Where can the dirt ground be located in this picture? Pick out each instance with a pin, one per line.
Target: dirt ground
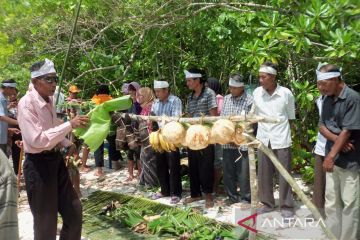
(115, 181)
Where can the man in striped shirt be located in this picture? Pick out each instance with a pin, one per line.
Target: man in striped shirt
(235, 158)
(201, 102)
(167, 163)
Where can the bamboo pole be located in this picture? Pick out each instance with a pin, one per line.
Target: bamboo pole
(242, 118)
(20, 167)
(292, 183)
(68, 51)
(253, 187)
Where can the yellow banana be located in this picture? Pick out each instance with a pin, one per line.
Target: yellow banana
(172, 147)
(154, 141)
(151, 139)
(164, 145)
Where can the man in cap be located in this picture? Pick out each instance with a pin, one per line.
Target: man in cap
(236, 162)
(48, 185)
(271, 100)
(73, 98)
(8, 88)
(167, 163)
(201, 102)
(340, 125)
(73, 92)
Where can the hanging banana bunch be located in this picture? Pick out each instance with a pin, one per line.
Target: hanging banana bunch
(159, 144)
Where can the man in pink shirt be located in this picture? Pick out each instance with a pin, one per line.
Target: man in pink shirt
(48, 185)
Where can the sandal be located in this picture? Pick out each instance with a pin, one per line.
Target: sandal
(192, 199)
(175, 200)
(85, 169)
(156, 196)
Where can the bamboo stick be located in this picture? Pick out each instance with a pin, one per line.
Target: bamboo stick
(242, 118)
(253, 187)
(293, 184)
(20, 167)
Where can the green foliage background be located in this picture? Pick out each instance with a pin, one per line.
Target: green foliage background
(142, 40)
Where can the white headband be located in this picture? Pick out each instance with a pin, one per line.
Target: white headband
(326, 75)
(47, 68)
(12, 85)
(160, 84)
(234, 83)
(192, 75)
(267, 69)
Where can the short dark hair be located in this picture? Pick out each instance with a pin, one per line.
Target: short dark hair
(330, 68)
(103, 89)
(7, 81)
(202, 72)
(214, 84)
(36, 66)
(270, 64)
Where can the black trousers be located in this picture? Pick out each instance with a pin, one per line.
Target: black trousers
(114, 155)
(236, 173)
(15, 152)
(201, 170)
(50, 192)
(168, 172)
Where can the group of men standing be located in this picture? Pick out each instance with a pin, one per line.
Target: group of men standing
(50, 191)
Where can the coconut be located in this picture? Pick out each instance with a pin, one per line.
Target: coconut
(223, 131)
(197, 137)
(173, 132)
(239, 138)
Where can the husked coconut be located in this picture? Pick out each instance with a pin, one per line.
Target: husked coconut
(223, 131)
(197, 137)
(239, 138)
(173, 132)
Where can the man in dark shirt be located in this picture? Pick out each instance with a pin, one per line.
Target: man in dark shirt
(340, 125)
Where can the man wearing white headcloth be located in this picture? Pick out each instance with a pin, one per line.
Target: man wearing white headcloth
(273, 100)
(8, 187)
(8, 88)
(167, 163)
(48, 185)
(340, 125)
(235, 158)
(201, 102)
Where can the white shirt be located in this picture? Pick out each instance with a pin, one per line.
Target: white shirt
(280, 105)
(321, 140)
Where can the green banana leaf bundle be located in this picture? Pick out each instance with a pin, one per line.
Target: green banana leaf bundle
(100, 120)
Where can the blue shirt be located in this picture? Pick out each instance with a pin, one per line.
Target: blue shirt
(171, 107)
(3, 125)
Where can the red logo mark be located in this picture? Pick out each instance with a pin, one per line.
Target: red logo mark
(253, 217)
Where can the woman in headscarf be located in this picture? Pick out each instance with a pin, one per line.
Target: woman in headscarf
(148, 175)
(214, 84)
(133, 155)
